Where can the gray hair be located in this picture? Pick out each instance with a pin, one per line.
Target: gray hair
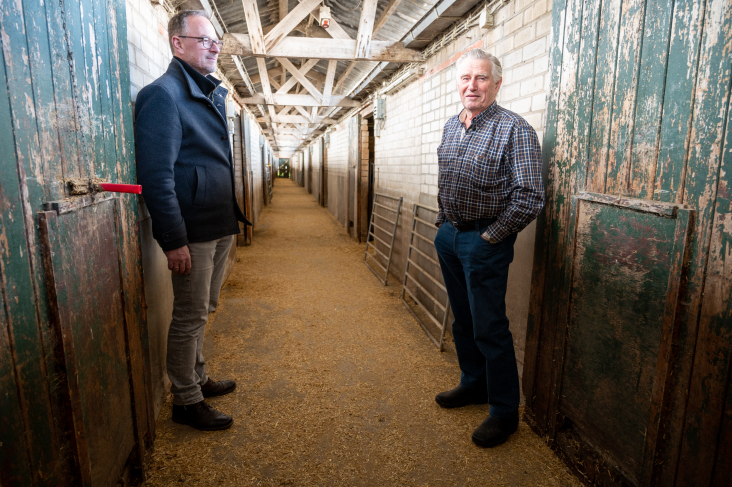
(497, 70)
(178, 23)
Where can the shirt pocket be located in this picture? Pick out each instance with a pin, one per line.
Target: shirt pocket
(483, 171)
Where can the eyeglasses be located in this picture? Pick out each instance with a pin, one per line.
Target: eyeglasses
(206, 41)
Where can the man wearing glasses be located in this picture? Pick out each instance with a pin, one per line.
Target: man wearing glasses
(185, 166)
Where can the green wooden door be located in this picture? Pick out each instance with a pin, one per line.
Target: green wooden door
(629, 340)
(75, 406)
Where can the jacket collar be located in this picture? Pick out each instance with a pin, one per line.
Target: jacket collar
(199, 85)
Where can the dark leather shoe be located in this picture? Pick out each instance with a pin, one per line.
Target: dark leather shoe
(212, 388)
(201, 416)
(459, 397)
(494, 431)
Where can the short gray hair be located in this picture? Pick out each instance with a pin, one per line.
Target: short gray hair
(178, 23)
(497, 70)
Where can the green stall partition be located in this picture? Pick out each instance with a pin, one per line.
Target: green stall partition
(629, 339)
(76, 405)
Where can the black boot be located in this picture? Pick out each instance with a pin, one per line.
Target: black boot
(494, 431)
(201, 416)
(460, 396)
(212, 388)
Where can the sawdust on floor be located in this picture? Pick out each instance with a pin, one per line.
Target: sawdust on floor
(336, 381)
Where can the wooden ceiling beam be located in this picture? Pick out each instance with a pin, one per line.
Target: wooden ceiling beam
(296, 119)
(303, 112)
(243, 73)
(342, 79)
(264, 80)
(285, 26)
(365, 29)
(301, 77)
(314, 30)
(254, 26)
(273, 82)
(328, 83)
(286, 110)
(290, 136)
(284, 7)
(312, 75)
(305, 68)
(295, 131)
(311, 48)
(301, 100)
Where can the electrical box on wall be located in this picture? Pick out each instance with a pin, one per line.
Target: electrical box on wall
(380, 109)
(230, 109)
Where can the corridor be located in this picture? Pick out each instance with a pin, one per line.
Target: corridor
(336, 381)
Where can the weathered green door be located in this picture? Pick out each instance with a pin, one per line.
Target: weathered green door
(75, 405)
(629, 340)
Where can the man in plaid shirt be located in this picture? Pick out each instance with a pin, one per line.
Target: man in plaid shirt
(490, 188)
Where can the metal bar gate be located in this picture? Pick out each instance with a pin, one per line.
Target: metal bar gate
(445, 308)
(372, 228)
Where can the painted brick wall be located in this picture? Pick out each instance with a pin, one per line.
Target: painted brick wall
(147, 41)
(521, 41)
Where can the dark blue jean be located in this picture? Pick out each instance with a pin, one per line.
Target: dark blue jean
(476, 276)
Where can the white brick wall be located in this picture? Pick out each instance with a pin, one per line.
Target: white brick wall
(398, 151)
(520, 39)
(147, 41)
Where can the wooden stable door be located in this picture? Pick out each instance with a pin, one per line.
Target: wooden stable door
(76, 406)
(630, 332)
(354, 149)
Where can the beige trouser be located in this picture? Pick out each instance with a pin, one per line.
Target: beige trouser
(195, 296)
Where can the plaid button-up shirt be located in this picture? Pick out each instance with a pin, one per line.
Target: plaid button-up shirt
(490, 170)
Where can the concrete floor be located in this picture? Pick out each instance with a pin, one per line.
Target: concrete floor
(336, 381)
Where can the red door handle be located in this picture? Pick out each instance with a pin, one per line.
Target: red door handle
(121, 188)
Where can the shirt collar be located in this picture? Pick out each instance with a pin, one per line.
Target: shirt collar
(480, 118)
(207, 84)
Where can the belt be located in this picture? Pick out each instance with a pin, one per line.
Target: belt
(468, 226)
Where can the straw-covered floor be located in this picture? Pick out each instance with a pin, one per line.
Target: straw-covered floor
(336, 381)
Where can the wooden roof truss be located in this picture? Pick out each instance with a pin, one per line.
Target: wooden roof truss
(296, 100)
